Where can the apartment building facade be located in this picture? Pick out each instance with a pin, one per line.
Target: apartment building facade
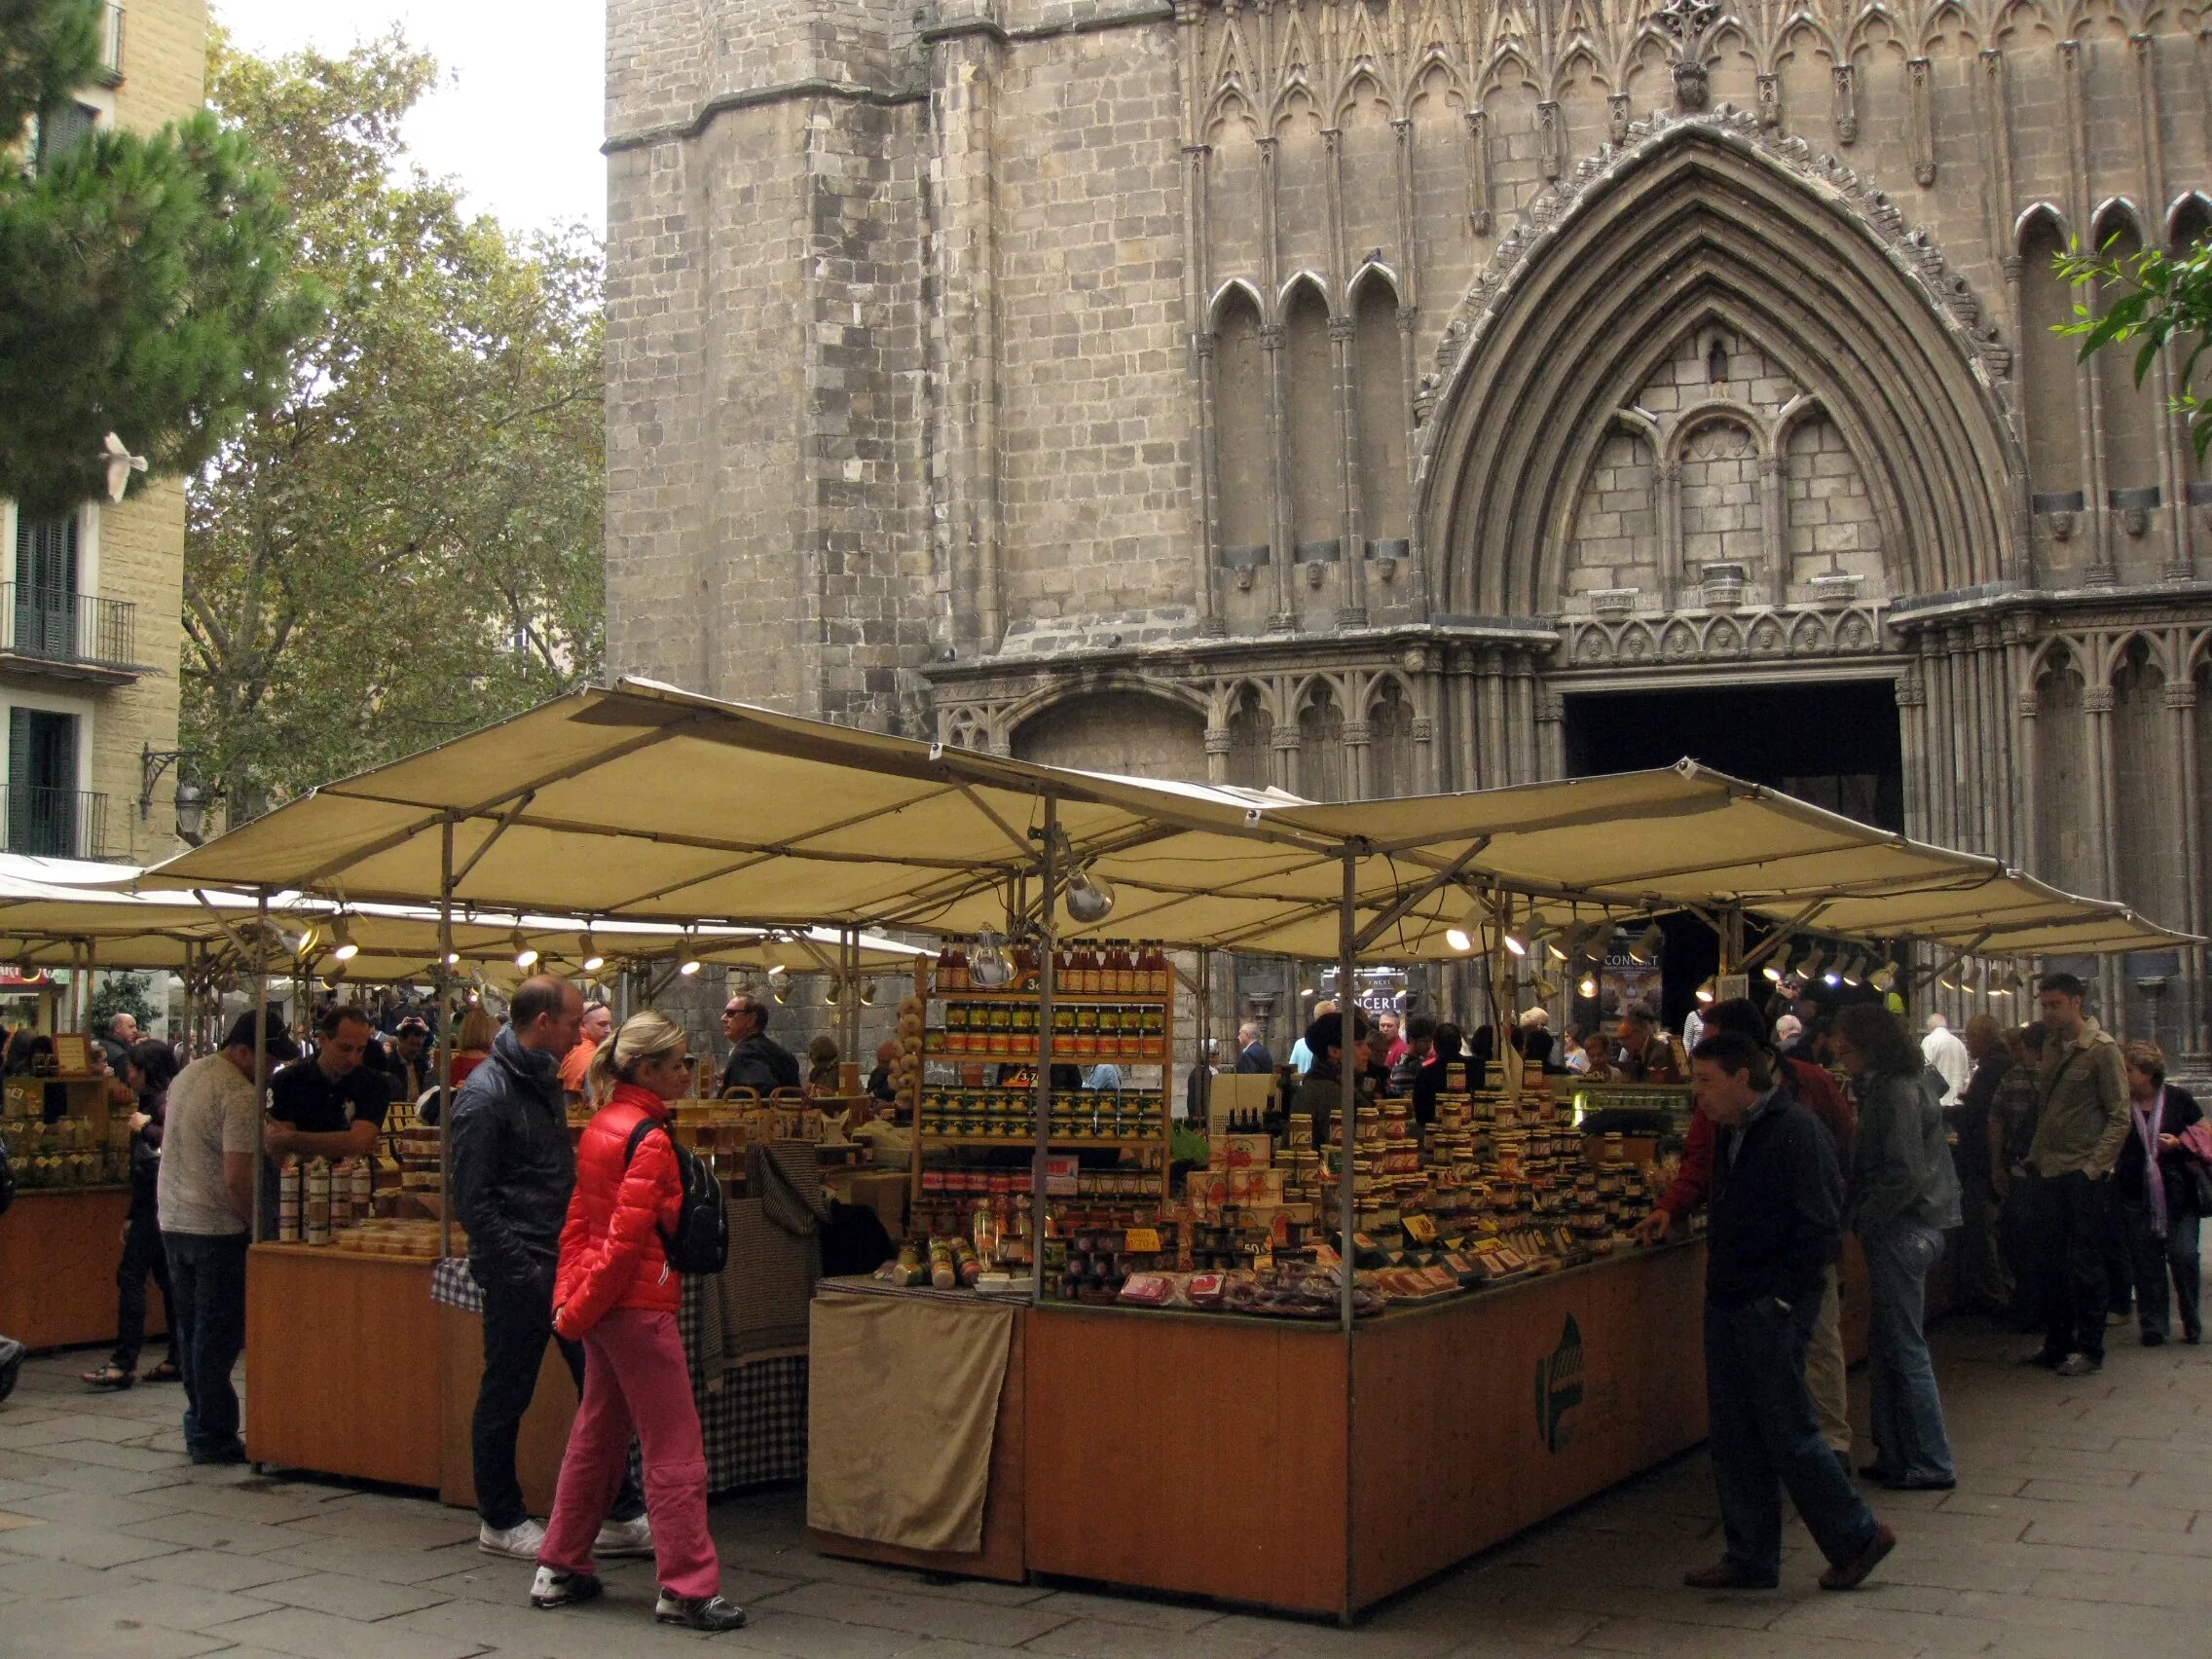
(91, 600)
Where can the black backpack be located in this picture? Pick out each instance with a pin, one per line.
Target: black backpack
(700, 1243)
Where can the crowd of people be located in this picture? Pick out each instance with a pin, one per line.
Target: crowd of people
(2073, 1174)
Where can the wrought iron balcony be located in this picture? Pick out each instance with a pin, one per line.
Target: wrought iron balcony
(73, 635)
(53, 824)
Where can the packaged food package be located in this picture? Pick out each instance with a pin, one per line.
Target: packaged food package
(1148, 1290)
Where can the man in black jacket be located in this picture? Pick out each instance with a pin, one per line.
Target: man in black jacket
(1776, 1219)
(513, 1169)
(757, 1060)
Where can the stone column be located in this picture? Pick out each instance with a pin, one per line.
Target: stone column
(962, 91)
(1280, 551)
(1219, 741)
(2030, 850)
(1203, 354)
(1352, 566)
(1284, 741)
(1773, 522)
(2097, 703)
(1497, 767)
(1360, 778)
(2088, 392)
(1911, 699)
(1551, 734)
(1465, 722)
(2181, 699)
(1673, 572)
(1424, 754)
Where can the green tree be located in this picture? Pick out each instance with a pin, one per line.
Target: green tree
(408, 545)
(123, 993)
(146, 283)
(2154, 298)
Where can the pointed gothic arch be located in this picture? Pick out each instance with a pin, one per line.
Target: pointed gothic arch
(1692, 216)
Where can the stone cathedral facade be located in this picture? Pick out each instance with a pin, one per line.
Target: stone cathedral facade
(1342, 395)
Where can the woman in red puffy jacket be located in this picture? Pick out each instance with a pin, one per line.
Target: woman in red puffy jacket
(615, 1292)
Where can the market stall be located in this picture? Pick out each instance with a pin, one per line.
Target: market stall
(59, 1243)
(1356, 1266)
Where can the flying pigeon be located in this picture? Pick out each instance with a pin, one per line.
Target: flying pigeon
(121, 464)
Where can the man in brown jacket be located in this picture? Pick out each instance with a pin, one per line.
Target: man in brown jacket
(2083, 1124)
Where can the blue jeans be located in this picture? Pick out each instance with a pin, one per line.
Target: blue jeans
(2175, 1256)
(1906, 1413)
(1766, 1436)
(208, 1302)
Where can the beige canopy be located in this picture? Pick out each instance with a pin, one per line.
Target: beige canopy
(646, 803)
(48, 924)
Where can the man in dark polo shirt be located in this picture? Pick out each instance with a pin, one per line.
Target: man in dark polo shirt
(330, 1104)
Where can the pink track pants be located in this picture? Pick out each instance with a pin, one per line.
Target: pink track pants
(636, 1381)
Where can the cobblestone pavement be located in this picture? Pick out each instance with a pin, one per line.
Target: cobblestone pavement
(2082, 1526)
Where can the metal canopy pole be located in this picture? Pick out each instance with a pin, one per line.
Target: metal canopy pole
(1047, 989)
(260, 1048)
(444, 987)
(1348, 1078)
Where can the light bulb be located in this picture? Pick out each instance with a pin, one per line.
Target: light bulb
(1459, 939)
(1544, 990)
(1515, 943)
(1776, 966)
(868, 993)
(1884, 977)
(989, 962)
(453, 959)
(1648, 944)
(1854, 971)
(1706, 992)
(593, 961)
(1089, 896)
(526, 954)
(1586, 987)
(690, 966)
(834, 993)
(341, 933)
(1812, 964)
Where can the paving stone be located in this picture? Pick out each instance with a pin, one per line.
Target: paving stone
(378, 1561)
(179, 1606)
(87, 1630)
(97, 1508)
(350, 1598)
(104, 1454)
(215, 1569)
(1098, 1638)
(215, 1532)
(82, 1546)
(1134, 1610)
(319, 1635)
(924, 1615)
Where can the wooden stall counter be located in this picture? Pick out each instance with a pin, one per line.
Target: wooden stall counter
(59, 1252)
(1272, 1483)
(342, 1364)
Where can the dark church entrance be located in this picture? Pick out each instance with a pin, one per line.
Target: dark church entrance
(1833, 743)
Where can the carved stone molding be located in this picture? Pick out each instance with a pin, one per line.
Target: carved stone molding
(1789, 634)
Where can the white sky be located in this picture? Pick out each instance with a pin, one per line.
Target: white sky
(518, 115)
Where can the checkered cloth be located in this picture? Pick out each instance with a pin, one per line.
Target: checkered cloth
(452, 1283)
(752, 1417)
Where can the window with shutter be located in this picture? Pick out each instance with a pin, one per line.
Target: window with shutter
(63, 129)
(42, 784)
(46, 585)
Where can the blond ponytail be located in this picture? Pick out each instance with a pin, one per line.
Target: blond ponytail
(643, 1037)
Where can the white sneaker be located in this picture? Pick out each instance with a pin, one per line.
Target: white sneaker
(550, 1589)
(520, 1542)
(624, 1538)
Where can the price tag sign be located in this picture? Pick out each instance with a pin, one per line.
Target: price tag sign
(1421, 1229)
(1144, 1241)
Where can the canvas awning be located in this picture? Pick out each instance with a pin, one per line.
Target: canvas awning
(46, 924)
(644, 802)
